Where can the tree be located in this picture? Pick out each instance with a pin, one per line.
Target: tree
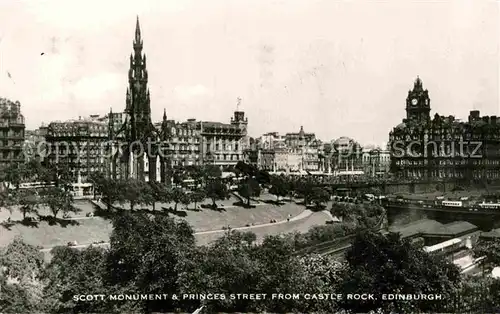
(322, 274)
(112, 191)
(58, 174)
(144, 256)
(73, 272)
(21, 267)
(216, 190)
(136, 192)
(304, 187)
(340, 210)
(249, 188)
(221, 267)
(197, 196)
(28, 201)
(490, 249)
(58, 200)
(177, 195)
(279, 187)
(388, 264)
(210, 172)
(179, 175)
(246, 170)
(478, 294)
(159, 193)
(186, 199)
(7, 200)
(98, 180)
(22, 261)
(14, 175)
(319, 196)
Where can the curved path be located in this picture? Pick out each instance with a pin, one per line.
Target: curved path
(305, 214)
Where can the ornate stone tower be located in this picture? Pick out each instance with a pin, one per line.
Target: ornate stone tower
(239, 118)
(138, 133)
(138, 108)
(418, 103)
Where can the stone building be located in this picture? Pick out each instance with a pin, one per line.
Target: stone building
(346, 157)
(78, 144)
(35, 146)
(180, 143)
(444, 147)
(272, 140)
(376, 161)
(267, 159)
(12, 128)
(222, 144)
(300, 139)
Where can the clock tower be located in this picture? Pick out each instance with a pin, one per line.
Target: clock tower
(418, 103)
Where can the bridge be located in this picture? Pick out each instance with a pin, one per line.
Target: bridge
(393, 187)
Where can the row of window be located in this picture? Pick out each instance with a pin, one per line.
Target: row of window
(453, 174)
(227, 157)
(183, 132)
(225, 147)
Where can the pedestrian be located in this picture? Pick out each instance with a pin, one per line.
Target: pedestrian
(289, 216)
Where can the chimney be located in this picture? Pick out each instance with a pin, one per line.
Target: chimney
(493, 120)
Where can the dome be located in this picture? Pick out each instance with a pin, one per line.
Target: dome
(401, 126)
(344, 143)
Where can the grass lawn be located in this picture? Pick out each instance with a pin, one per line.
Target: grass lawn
(301, 226)
(86, 231)
(84, 206)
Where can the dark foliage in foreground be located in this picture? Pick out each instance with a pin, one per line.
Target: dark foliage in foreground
(157, 255)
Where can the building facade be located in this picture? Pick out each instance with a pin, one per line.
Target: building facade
(35, 146)
(222, 144)
(266, 159)
(444, 147)
(180, 143)
(300, 139)
(346, 157)
(12, 127)
(79, 145)
(293, 152)
(376, 161)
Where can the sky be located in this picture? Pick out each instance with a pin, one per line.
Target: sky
(337, 68)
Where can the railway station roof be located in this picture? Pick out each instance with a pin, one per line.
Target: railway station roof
(495, 233)
(419, 227)
(428, 227)
(456, 228)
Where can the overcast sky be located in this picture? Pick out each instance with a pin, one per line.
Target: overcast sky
(339, 68)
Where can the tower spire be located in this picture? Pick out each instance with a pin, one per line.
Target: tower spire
(137, 30)
(238, 103)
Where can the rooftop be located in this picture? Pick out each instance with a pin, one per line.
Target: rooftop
(433, 227)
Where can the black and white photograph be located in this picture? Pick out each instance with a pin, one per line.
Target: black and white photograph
(249, 156)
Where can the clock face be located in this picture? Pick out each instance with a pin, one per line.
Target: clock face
(414, 101)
